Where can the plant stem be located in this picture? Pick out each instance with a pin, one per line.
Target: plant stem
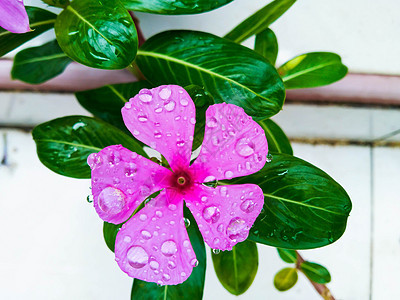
(322, 289)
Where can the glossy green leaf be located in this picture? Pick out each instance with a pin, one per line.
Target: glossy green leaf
(287, 255)
(259, 21)
(202, 101)
(110, 234)
(277, 140)
(99, 34)
(57, 3)
(169, 7)
(192, 288)
(304, 207)
(285, 279)
(64, 144)
(312, 70)
(229, 72)
(316, 272)
(236, 269)
(40, 20)
(106, 102)
(39, 64)
(267, 45)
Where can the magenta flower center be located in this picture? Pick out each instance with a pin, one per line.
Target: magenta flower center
(181, 180)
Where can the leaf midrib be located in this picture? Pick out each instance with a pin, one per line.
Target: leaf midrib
(299, 73)
(263, 125)
(68, 143)
(38, 59)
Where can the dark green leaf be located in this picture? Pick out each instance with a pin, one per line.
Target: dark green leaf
(259, 21)
(110, 234)
(40, 20)
(99, 34)
(64, 144)
(39, 64)
(202, 101)
(173, 7)
(192, 288)
(285, 279)
(304, 207)
(229, 72)
(287, 255)
(267, 45)
(277, 140)
(236, 269)
(312, 70)
(106, 102)
(316, 272)
(57, 3)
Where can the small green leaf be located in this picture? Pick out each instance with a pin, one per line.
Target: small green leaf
(110, 234)
(277, 140)
(287, 255)
(98, 34)
(229, 72)
(64, 144)
(304, 207)
(192, 288)
(40, 20)
(312, 70)
(106, 102)
(259, 21)
(236, 269)
(267, 45)
(285, 279)
(39, 64)
(57, 3)
(316, 272)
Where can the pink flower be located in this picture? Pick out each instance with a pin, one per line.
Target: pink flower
(154, 245)
(13, 16)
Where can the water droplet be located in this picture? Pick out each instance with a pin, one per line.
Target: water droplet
(183, 274)
(187, 222)
(184, 102)
(180, 143)
(247, 206)
(130, 169)
(192, 121)
(166, 277)
(269, 158)
(204, 199)
(172, 222)
(111, 200)
(142, 118)
(169, 106)
(159, 213)
(209, 178)
(172, 206)
(165, 93)
(220, 228)
(157, 134)
(228, 174)
(154, 265)
(212, 122)
(216, 251)
(248, 165)
(177, 118)
(215, 140)
(158, 110)
(137, 257)
(237, 229)
(223, 191)
(146, 235)
(283, 173)
(135, 132)
(145, 96)
(245, 147)
(194, 262)
(171, 265)
(186, 243)
(91, 160)
(143, 217)
(168, 248)
(211, 214)
(128, 105)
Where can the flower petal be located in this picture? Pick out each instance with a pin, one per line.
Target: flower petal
(121, 180)
(154, 245)
(234, 145)
(163, 118)
(13, 16)
(225, 214)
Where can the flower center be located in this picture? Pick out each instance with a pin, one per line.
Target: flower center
(181, 180)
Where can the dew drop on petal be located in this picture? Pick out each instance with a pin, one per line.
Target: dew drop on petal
(111, 200)
(145, 96)
(143, 217)
(137, 257)
(158, 110)
(236, 229)
(203, 199)
(168, 248)
(209, 178)
(228, 174)
(211, 214)
(127, 239)
(220, 228)
(130, 169)
(154, 265)
(186, 243)
(166, 277)
(183, 274)
(135, 132)
(157, 134)
(223, 191)
(172, 206)
(245, 147)
(165, 93)
(128, 105)
(171, 265)
(91, 160)
(180, 143)
(194, 262)
(212, 122)
(184, 102)
(142, 118)
(146, 234)
(159, 213)
(170, 105)
(247, 206)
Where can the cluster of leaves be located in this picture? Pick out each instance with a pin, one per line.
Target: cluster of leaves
(304, 207)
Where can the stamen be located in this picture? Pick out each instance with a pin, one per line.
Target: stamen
(181, 180)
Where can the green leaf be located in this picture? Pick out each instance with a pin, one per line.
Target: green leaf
(316, 272)
(64, 144)
(202, 100)
(229, 72)
(57, 3)
(173, 7)
(277, 139)
(98, 34)
(106, 102)
(40, 20)
(287, 255)
(236, 269)
(312, 70)
(304, 207)
(110, 234)
(39, 64)
(192, 288)
(267, 45)
(285, 279)
(259, 21)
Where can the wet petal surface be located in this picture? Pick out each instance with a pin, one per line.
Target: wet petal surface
(13, 16)
(163, 118)
(121, 180)
(154, 245)
(234, 145)
(225, 214)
